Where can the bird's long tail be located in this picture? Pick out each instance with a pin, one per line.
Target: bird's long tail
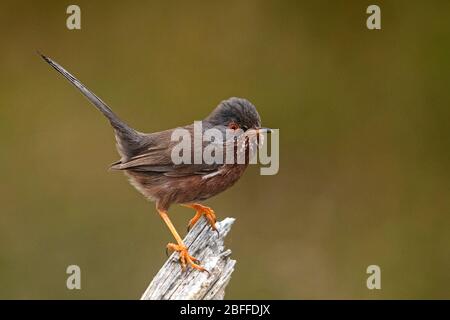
(128, 139)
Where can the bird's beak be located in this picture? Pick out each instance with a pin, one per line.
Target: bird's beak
(264, 130)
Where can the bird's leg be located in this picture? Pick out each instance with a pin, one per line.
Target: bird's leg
(185, 258)
(202, 210)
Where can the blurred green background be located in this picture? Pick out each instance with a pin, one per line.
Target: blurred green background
(364, 158)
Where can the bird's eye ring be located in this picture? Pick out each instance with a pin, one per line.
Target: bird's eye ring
(233, 125)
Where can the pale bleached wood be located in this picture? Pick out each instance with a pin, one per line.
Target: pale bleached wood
(171, 283)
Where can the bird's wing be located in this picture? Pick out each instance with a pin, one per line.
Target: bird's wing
(157, 158)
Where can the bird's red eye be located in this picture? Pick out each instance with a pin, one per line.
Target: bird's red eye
(233, 126)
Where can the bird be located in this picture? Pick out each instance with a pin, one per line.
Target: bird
(145, 158)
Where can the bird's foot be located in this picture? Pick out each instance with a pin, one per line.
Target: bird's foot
(185, 258)
(203, 211)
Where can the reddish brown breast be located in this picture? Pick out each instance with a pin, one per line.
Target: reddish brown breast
(167, 190)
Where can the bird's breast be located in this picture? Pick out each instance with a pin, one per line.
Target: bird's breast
(185, 189)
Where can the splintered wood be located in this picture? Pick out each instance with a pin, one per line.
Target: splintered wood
(171, 283)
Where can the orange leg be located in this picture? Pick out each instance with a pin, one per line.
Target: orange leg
(185, 258)
(202, 210)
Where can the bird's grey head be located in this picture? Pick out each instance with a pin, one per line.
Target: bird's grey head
(235, 113)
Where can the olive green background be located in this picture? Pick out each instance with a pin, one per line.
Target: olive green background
(364, 130)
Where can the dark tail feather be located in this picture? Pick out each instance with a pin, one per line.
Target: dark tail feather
(128, 139)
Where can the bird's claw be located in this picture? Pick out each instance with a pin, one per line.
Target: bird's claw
(185, 258)
(208, 213)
